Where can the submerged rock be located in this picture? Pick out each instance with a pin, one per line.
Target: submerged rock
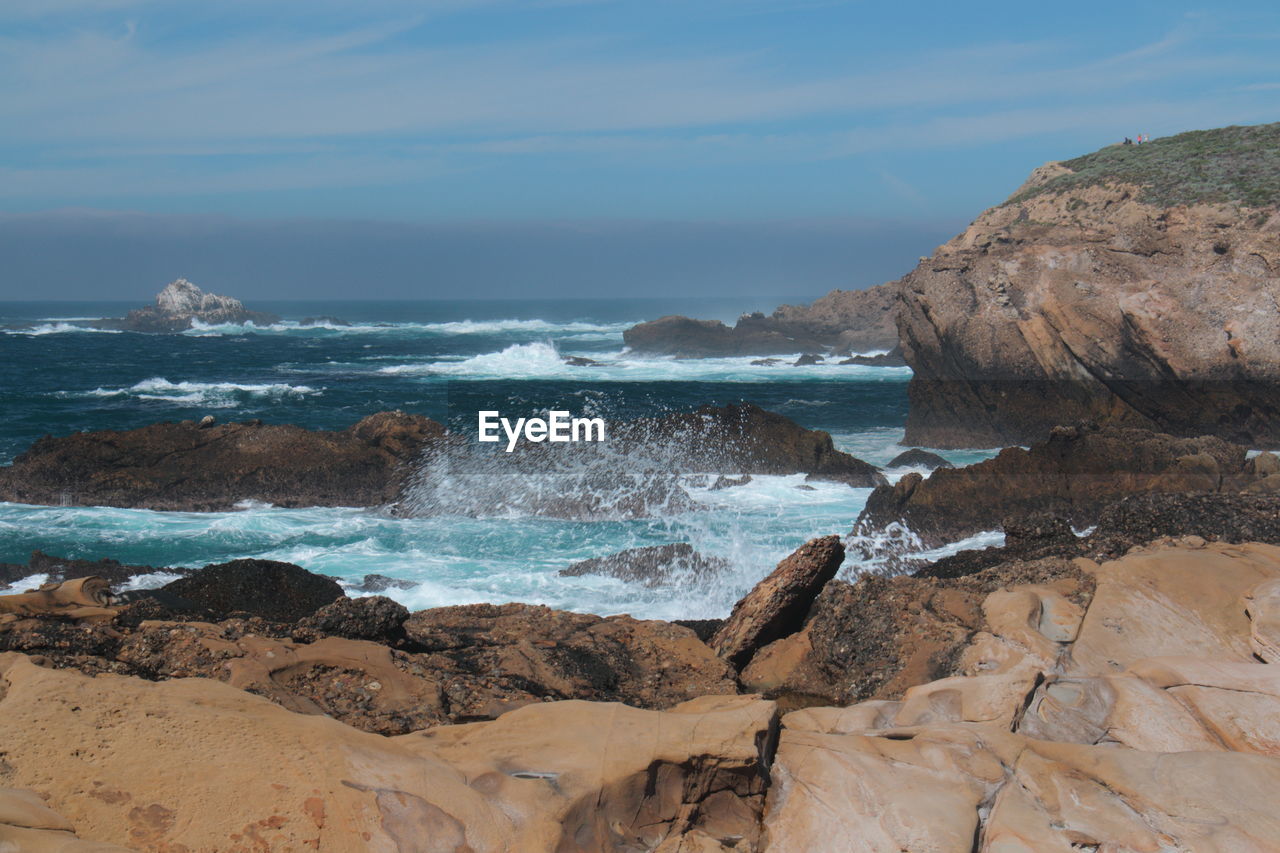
(653, 565)
(892, 358)
(181, 305)
(917, 458)
(180, 466)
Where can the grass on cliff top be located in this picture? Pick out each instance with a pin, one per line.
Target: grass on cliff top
(1229, 164)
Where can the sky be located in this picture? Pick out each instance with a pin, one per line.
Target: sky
(389, 148)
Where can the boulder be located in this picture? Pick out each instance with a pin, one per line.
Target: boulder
(279, 592)
(374, 617)
(1134, 286)
(182, 467)
(808, 359)
(653, 565)
(776, 606)
(917, 458)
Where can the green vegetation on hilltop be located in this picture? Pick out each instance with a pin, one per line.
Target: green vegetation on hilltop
(1229, 164)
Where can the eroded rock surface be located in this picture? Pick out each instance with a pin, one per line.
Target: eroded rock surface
(181, 305)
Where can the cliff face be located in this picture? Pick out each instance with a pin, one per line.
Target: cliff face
(1136, 286)
(843, 321)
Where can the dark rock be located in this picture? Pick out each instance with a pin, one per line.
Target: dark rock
(382, 583)
(892, 358)
(372, 618)
(580, 361)
(179, 466)
(776, 606)
(844, 320)
(723, 482)
(1073, 475)
(807, 359)
(60, 569)
(704, 628)
(281, 592)
(765, 362)
(917, 458)
(653, 565)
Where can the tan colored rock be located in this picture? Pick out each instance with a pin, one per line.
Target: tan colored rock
(1171, 601)
(80, 599)
(776, 607)
(28, 825)
(1263, 607)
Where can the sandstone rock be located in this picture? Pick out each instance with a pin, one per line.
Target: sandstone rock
(280, 592)
(653, 565)
(81, 599)
(1263, 608)
(1093, 296)
(776, 607)
(843, 320)
(27, 825)
(178, 466)
(1072, 475)
(491, 658)
(60, 569)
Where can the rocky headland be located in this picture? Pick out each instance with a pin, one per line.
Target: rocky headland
(180, 306)
(1136, 286)
(1114, 692)
(843, 322)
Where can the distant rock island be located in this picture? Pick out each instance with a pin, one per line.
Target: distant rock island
(842, 322)
(180, 305)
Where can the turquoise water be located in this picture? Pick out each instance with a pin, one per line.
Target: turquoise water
(445, 360)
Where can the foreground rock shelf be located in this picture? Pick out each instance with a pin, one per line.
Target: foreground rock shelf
(1062, 704)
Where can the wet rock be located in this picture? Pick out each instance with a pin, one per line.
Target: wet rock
(181, 466)
(765, 362)
(492, 658)
(808, 359)
(723, 482)
(893, 358)
(776, 607)
(382, 583)
(368, 618)
(653, 565)
(280, 592)
(917, 458)
(62, 568)
(580, 361)
(1072, 475)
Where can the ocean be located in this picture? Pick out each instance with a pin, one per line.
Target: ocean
(446, 360)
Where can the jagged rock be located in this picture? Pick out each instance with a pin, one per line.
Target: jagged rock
(723, 482)
(892, 358)
(180, 305)
(917, 458)
(280, 592)
(843, 320)
(61, 568)
(491, 658)
(653, 565)
(808, 359)
(776, 606)
(1134, 286)
(374, 617)
(382, 583)
(179, 466)
(580, 361)
(1073, 475)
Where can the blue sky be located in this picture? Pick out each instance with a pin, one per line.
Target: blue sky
(697, 111)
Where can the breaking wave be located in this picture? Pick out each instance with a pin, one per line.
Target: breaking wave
(214, 394)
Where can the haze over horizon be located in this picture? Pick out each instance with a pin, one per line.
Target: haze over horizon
(561, 148)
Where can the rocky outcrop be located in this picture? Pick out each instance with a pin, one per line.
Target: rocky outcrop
(1135, 287)
(917, 458)
(181, 305)
(493, 657)
(776, 606)
(1073, 475)
(180, 466)
(60, 568)
(843, 321)
(271, 590)
(652, 565)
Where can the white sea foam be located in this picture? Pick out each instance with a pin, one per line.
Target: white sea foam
(215, 394)
(543, 360)
(573, 329)
(58, 328)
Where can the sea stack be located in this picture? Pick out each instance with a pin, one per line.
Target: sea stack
(181, 305)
